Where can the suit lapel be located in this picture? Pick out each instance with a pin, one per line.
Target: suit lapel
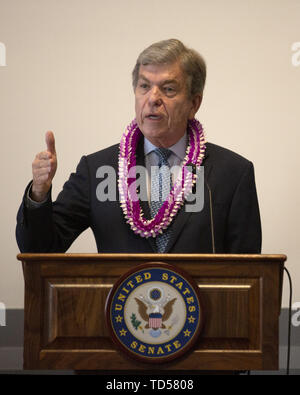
(182, 217)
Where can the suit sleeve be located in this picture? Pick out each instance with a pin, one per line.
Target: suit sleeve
(52, 227)
(243, 234)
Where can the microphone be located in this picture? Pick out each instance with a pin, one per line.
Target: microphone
(211, 218)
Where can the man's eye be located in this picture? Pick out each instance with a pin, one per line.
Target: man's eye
(144, 86)
(169, 90)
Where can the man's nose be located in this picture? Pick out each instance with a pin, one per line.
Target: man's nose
(155, 96)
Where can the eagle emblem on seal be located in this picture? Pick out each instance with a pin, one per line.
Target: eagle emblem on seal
(155, 310)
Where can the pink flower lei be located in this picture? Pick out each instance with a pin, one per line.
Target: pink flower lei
(182, 187)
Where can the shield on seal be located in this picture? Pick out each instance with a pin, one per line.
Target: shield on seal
(155, 320)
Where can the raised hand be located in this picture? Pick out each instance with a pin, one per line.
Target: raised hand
(43, 169)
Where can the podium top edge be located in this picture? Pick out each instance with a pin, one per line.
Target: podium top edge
(166, 257)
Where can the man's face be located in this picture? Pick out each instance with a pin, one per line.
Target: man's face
(162, 104)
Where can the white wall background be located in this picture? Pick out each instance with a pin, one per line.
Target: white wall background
(68, 69)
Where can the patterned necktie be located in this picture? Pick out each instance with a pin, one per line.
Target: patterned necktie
(161, 183)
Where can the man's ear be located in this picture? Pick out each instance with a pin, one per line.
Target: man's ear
(196, 103)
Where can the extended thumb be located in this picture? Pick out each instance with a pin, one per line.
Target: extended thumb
(50, 141)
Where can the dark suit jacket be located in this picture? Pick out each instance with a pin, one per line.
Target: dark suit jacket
(230, 177)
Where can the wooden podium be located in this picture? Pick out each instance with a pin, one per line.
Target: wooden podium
(65, 297)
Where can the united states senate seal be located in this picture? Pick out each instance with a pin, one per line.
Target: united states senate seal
(153, 312)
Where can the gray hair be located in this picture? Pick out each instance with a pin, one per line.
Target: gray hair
(170, 51)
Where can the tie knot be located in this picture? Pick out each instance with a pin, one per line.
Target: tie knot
(163, 155)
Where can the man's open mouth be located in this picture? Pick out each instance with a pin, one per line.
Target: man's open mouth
(154, 117)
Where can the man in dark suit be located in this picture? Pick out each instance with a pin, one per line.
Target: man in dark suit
(168, 82)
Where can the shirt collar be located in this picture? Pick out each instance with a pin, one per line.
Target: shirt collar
(179, 148)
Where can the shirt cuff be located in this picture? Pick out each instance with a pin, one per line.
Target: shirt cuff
(30, 203)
